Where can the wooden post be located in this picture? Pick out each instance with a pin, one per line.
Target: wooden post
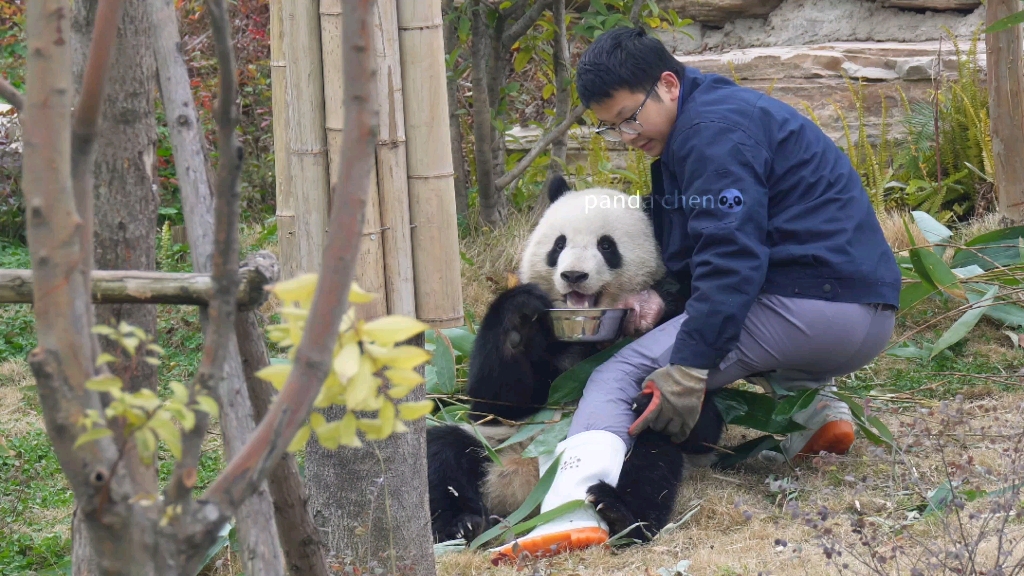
(392, 174)
(288, 240)
(307, 135)
(1005, 70)
(435, 242)
(370, 265)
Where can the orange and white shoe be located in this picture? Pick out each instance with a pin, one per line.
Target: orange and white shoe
(828, 422)
(829, 428)
(587, 458)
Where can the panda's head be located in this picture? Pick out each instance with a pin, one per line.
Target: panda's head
(591, 247)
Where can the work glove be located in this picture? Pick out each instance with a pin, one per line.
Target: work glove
(645, 309)
(677, 395)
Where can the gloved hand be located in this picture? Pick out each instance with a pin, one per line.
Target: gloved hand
(646, 309)
(677, 397)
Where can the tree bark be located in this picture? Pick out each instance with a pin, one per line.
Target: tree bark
(451, 39)
(563, 92)
(493, 205)
(382, 518)
(1005, 67)
(144, 287)
(124, 192)
(258, 531)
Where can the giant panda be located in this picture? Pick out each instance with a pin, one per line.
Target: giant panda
(590, 248)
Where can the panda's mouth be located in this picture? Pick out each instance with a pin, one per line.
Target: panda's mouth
(576, 299)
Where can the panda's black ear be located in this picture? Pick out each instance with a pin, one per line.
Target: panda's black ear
(557, 187)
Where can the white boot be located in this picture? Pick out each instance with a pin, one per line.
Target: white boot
(828, 422)
(587, 457)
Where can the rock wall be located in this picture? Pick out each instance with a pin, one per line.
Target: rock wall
(728, 24)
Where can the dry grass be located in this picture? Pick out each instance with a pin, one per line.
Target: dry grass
(16, 417)
(720, 538)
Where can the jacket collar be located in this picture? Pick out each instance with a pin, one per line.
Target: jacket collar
(691, 79)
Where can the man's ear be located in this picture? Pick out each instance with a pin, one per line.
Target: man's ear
(670, 84)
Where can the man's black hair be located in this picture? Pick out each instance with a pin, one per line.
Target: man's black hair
(622, 58)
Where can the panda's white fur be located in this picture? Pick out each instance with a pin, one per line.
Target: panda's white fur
(583, 217)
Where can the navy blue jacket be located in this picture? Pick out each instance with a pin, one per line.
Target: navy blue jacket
(752, 197)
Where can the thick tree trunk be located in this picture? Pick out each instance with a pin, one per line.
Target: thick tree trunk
(257, 529)
(493, 205)
(124, 193)
(369, 521)
(1005, 67)
(563, 92)
(451, 39)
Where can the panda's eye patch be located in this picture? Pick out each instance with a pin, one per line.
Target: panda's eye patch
(556, 250)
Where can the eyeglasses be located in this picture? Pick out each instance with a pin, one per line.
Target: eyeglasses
(629, 126)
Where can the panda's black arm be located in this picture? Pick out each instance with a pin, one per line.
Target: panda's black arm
(674, 294)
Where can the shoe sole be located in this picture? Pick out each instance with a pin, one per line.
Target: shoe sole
(551, 544)
(834, 437)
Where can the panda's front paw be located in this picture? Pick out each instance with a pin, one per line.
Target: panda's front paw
(610, 507)
(466, 526)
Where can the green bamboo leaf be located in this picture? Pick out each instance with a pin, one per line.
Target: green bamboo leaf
(913, 293)
(568, 387)
(964, 324)
(548, 440)
(444, 366)
(534, 425)
(932, 269)
(1004, 23)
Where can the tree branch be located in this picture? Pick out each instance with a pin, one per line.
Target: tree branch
(634, 13)
(141, 287)
(538, 148)
(10, 93)
(222, 310)
(522, 26)
(313, 357)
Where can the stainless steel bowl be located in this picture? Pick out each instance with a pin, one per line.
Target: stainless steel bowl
(588, 324)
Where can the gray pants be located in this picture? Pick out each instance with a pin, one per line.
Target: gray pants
(798, 338)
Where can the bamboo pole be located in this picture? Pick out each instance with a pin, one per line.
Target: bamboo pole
(435, 240)
(286, 233)
(144, 287)
(307, 139)
(392, 173)
(370, 263)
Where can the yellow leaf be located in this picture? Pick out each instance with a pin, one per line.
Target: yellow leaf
(357, 295)
(207, 404)
(399, 392)
(167, 432)
(298, 290)
(276, 374)
(104, 383)
(145, 444)
(414, 410)
(340, 433)
(361, 387)
(346, 363)
(392, 329)
(317, 421)
(105, 331)
(104, 358)
(130, 343)
(186, 417)
(92, 434)
(347, 321)
(301, 437)
(332, 392)
(405, 356)
(403, 377)
(400, 428)
(179, 392)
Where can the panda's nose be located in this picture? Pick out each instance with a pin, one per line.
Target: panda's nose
(574, 277)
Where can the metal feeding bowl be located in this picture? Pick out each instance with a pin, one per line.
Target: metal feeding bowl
(588, 324)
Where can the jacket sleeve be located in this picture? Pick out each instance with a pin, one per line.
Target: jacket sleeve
(730, 254)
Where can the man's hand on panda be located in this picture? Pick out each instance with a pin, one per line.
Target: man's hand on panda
(677, 395)
(646, 308)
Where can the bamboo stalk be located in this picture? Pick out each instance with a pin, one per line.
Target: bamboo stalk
(435, 241)
(142, 287)
(288, 240)
(370, 262)
(307, 138)
(392, 170)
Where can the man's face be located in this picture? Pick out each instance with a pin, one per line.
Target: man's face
(656, 118)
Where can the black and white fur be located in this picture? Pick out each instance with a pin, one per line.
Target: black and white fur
(589, 249)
